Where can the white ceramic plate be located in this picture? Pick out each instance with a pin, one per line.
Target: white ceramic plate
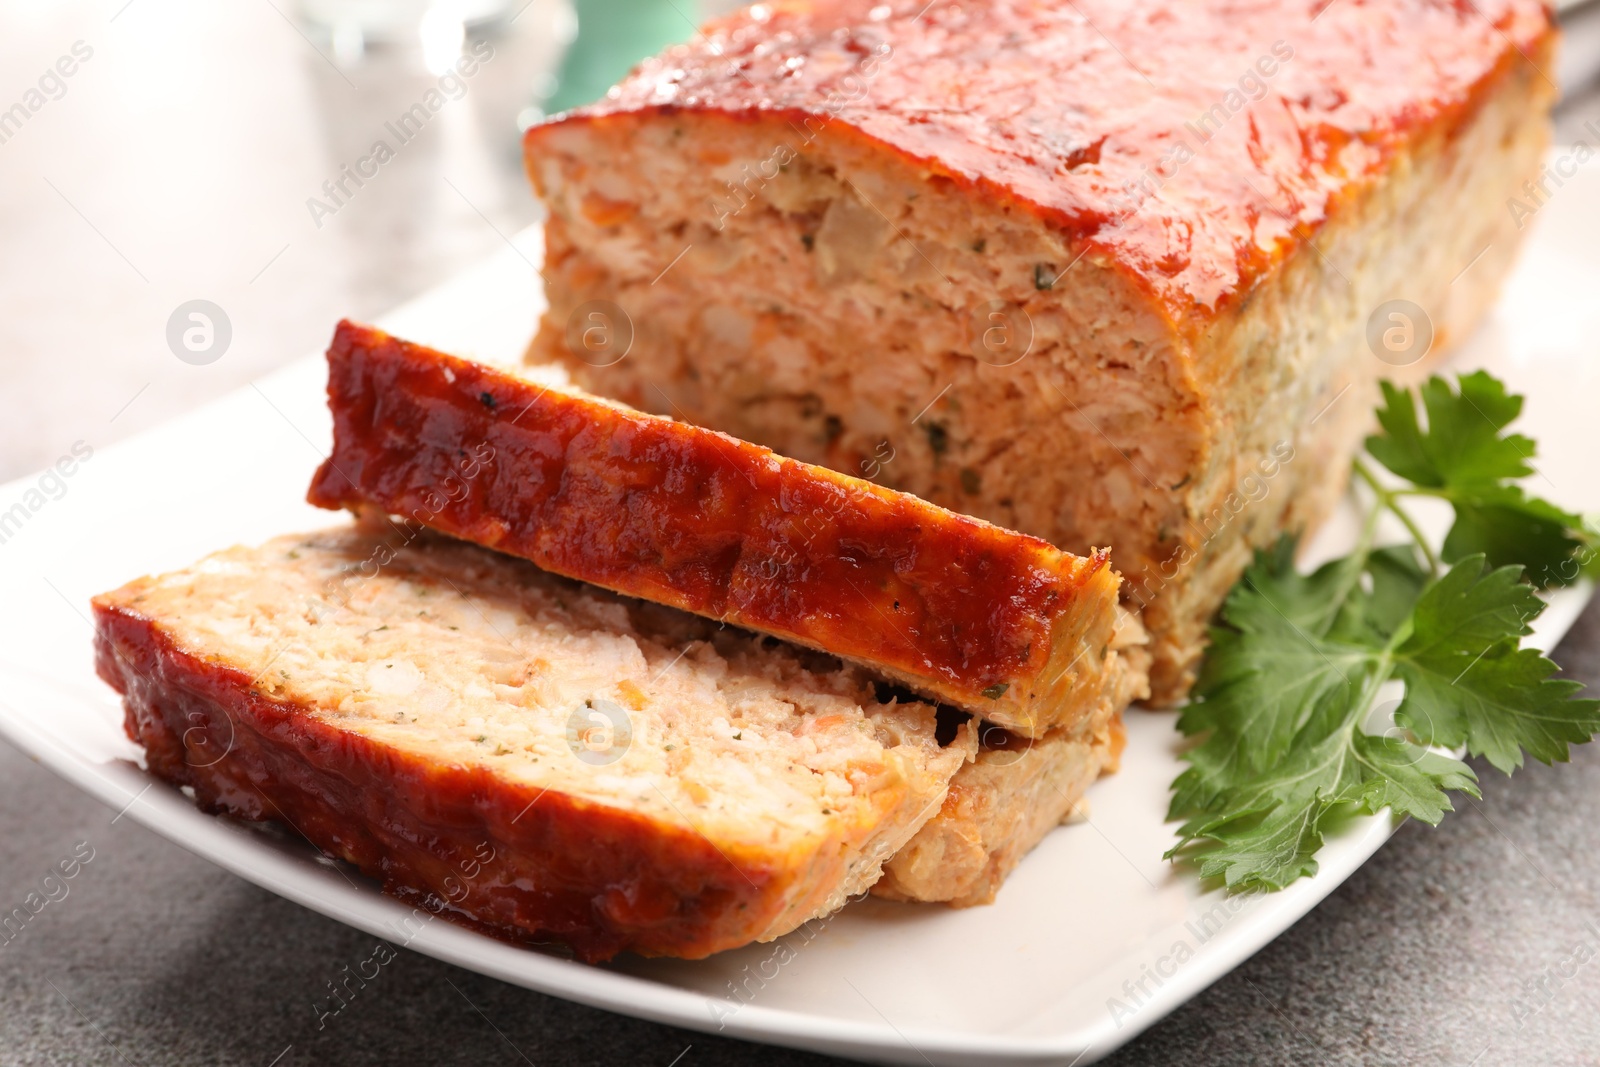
(1093, 939)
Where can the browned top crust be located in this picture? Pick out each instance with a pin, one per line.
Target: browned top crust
(966, 612)
(1118, 122)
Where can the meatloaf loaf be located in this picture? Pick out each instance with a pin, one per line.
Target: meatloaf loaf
(988, 620)
(1099, 271)
(528, 755)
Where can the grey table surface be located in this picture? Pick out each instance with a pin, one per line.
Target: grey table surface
(174, 164)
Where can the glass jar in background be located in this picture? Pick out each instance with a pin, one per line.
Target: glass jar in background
(434, 28)
(601, 40)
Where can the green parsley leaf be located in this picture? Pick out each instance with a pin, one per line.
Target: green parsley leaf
(1509, 527)
(1268, 669)
(1462, 445)
(1284, 747)
(1396, 579)
(1410, 780)
(1467, 682)
(1273, 592)
(1463, 456)
(1282, 707)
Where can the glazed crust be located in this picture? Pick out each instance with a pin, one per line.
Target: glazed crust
(1190, 213)
(522, 864)
(992, 621)
(1080, 113)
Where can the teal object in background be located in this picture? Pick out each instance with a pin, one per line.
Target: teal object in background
(612, 36)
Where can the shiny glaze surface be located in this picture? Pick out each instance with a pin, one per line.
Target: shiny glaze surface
(458, 841)
(1090, 113)
(698, 520)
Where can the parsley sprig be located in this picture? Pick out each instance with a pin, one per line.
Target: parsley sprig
(1297, 660)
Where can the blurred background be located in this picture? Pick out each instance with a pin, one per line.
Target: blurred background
(180, 159)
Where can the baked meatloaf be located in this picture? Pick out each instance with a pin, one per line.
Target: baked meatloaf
(988, 620)
(998, 808)
(1006, 801)
(523, 753)
(1100, 271)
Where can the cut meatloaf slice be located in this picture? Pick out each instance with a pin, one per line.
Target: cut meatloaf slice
(987, 620)
(1004, 803)
(525, 754)
(1099, 271)
(998, 809)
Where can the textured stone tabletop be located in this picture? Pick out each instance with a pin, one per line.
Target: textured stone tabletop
(175, 164)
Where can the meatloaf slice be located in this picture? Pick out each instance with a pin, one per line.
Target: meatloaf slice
(988, 620)
(1004, 803)
(1103, 272)
(517, 751)
(997, 810)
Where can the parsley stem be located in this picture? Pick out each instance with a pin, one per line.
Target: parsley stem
(1361, 553)
(1389, 499)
